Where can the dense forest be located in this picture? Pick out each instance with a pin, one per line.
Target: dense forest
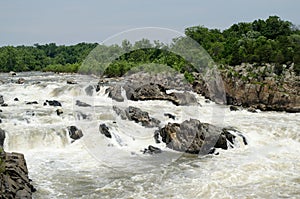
(262, 41)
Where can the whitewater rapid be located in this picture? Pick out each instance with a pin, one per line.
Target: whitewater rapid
(98, 167)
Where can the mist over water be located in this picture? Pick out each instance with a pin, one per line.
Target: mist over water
(97, 167)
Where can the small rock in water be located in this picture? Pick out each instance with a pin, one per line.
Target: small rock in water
(59, 111)
(104, 130)
(20, 81)
(33, 102)
(1, 99)
(71, 81)
(16, 99)
(83, 104)
(52, 103)
(152, 150)
(156, 137)
(74, 132)
(89, 90)
(233, 108)
(252, 110)
(4, 105)
(0, 120)
(169, 115)
(2, 137)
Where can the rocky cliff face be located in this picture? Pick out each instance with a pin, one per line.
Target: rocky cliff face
(258, 87)
(14, 180)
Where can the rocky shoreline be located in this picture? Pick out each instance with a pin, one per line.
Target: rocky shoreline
(257, 87)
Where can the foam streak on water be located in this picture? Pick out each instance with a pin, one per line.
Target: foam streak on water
(97, 167)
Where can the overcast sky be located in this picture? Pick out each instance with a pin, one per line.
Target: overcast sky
(73, 21)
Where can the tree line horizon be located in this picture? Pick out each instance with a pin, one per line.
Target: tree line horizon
(273, 41)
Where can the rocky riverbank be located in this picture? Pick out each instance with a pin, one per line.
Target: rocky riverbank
(258, 87)
(14, 180)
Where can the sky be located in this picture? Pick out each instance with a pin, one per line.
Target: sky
(67, 22)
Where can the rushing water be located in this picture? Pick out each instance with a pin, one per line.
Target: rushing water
(98, 167)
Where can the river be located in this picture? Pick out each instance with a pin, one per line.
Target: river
(97, 167)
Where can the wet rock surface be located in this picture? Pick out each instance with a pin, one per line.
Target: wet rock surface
(195, 137)
(74, 132)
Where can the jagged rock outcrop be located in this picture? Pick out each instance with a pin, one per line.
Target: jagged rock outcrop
(257, 87)
(195, 137)
(14, 180)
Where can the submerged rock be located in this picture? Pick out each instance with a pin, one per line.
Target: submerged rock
(195, 137)
(104, 130)
(33, 102)
(74, 132)
(83, 104)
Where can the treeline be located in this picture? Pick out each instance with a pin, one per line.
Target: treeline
(262, 41)
(48, 57)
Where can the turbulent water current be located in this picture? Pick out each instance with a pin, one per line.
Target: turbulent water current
(97, 167)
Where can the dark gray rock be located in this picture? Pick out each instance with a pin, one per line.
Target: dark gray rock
(152, 150)
(186, 98)
(142, 117)
(104, 130)
(115, 92)
(74, 132)
(33, 102)
(16, 99)
(2, 137)
(169, 115)
(52, 103)
(153, 92)
(233, 108)
(195, 137)
(4, 105)
(120, 112)
(252, 110)
(20, 81)
(15, 182)
(59, 111)
(1, 100)
(71, 81)
(89, 90)
(83, 104)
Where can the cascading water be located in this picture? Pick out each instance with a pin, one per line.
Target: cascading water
(98, 167)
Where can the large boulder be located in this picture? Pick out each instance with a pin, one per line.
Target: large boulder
(153, 92)
(195, 137)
